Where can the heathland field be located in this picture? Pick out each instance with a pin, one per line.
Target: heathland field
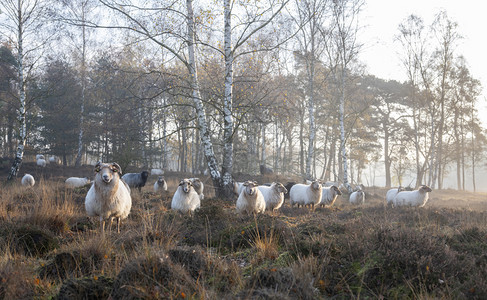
(50, 249)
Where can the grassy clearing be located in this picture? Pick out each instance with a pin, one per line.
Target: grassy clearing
(50, 249)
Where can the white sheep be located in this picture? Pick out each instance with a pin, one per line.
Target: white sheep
(39, 156)
(391, 194)
(273, 195)
(357, 197)
(28, 180)
(160, 185)
(157, 172)
(109, 197)
(250, 199)
(417, 197)
(41, 162)
(74, 182)
(306, 194)
(198, 187)
(329, 195)
(55, 160)
(238, 187)
(185, 199)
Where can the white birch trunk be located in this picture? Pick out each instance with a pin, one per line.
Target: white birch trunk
(83, 91)
(22, 121)
(227, 165)
(200, 109)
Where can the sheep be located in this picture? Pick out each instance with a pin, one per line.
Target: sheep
(357, 197)
(306, 194)
(39, 156)
(41, 162)
(391, 194)
(288, 187)
(28, 180)
(329, 195)
(160, 185)
(198, 187)
(74, 182)
(251, 199)
(186, 199)
(157, 172)
(273, 195)
(136, 180)
(417, 197)
(265, 170)
(238, 187)
(55, 160)
(108, 197)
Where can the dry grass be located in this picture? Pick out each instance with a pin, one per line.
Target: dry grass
(51, 249)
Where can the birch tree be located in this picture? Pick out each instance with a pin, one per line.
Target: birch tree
(23, 23)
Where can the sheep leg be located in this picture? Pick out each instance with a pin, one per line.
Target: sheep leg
(118, 225)
(102, 226)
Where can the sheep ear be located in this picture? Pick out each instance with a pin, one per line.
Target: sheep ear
(97, 167)
(181, 182)
(117, 168)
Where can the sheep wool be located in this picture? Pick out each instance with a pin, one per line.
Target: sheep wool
(417, 197)
(357, 197)
(198, 187)
(74, 182)
(391, 194)
(109, 197)
(160, 185)
(273, 195)
(28, 180)
(136, 180)
(41, 162)
(306, 194)
(329, 195)
(185, 200)
(250, 199)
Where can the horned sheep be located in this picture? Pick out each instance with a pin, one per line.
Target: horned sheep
(186, 199)
(160, 185)
(417, 197)
(251, 199)
(109, 197)
(306, 194)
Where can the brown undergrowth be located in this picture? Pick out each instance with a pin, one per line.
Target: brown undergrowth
(50, 249)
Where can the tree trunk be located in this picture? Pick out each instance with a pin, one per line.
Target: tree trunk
(227, 165)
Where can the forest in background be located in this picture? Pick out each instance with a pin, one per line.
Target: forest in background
(199, 86)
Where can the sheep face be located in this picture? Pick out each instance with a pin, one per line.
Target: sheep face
(337, 190)
(160, 180)
(186, 185)
(425, 189)
(106, 171)
(280, 188)
(316, 185)
(250, 187)
(144, 175)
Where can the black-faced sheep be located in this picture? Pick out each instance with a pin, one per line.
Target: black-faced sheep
(306, 194)
(417, 197)
(28, 180)
(273, 195)
(160, 185)
(136, 180)
(250, 199)
(185, 199)
(109, 197)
